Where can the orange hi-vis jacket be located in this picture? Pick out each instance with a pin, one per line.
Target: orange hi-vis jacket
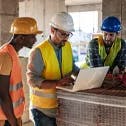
(16, 86)
(46, 98)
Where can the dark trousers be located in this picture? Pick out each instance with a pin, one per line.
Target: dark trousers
(7, 123)
(41, 119)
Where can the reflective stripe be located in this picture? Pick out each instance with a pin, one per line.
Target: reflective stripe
(41, 94)
(16, 86)
(17, 103)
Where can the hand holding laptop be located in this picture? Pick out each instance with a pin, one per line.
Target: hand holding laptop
(87, 79)
(67, 80)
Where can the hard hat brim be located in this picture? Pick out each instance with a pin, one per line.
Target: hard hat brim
(39, 32)
(26, 33)
(61, 28)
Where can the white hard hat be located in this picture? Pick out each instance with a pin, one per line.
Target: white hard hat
(62, 21)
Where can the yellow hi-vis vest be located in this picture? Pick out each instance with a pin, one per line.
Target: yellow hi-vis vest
(109, 59)
(15, 87)
(46, 98)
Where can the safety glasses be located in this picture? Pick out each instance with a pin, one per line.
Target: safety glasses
(63, 34)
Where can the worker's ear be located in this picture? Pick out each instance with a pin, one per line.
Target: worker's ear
(19, 38)
(52, 30)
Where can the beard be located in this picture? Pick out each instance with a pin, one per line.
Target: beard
(109, 43)
(62, 43)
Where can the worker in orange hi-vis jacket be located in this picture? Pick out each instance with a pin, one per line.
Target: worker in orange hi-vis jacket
(12, 101)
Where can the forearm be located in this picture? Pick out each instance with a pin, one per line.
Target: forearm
(5, 99)
(121, 62)
(34, 80)
(49, 84)
(7, 107)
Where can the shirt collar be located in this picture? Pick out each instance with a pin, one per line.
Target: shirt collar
(52, 43)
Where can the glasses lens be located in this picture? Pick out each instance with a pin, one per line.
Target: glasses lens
(64, 34)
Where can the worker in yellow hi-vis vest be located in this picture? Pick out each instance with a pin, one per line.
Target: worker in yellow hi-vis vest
(108, 49)
(50, 65)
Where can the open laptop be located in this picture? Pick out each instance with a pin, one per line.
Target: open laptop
(87, 79)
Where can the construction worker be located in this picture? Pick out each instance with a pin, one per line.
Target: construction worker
(50, 65)
(109, 49)
(24, 30)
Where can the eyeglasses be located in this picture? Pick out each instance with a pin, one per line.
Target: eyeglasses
(63, 34)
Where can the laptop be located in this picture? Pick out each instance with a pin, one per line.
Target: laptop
(87, 79)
